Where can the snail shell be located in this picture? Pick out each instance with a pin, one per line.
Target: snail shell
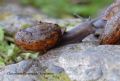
(41, 37)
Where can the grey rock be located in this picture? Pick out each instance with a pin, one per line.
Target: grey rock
(32, 70)
(90, 38)
(15, 72)
(15, 23)
(100, 63)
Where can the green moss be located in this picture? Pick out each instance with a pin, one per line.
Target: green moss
(10, 53)
(48, 76)
(25, 26)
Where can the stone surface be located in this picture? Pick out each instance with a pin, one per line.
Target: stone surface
(81, 62)
(90, 38)
(45, 68)
(100, 63)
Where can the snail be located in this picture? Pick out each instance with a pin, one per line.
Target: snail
(44, 36)
(111, 33)
(41, 37)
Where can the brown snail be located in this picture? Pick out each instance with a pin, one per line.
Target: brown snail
(111, 33)
(39, 38)
(45, 36)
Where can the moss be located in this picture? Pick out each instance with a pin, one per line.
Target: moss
(48, 76)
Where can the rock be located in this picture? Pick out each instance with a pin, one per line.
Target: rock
(90, 38)
(45, 68)
(14, 72)
(100, 63)
(14, 17)
(14, 23)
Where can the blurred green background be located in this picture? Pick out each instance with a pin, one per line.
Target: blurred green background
(68, 8)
